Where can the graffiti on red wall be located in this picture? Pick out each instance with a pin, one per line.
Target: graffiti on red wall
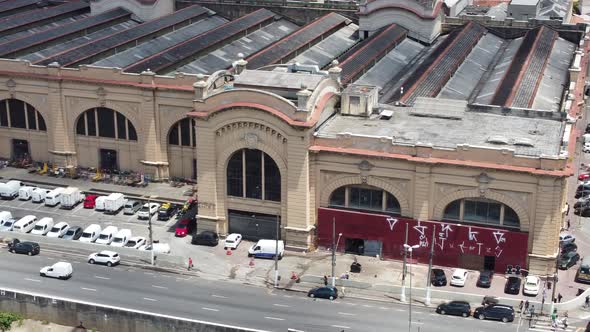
(450, 240)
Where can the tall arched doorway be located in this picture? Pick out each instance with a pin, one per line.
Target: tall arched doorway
(253, 179)
(182, 149)
(21, 127)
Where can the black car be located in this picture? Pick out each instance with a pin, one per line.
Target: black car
(567, 260)
(582, 193)
(458, 308)
(73, 233)
(512, 285)
(438, 277)
(501, 312)
(29, 248)
(206, 238)
(485, 279)
(569, 247)
(326, 292)
(583, 212)
(166, 211)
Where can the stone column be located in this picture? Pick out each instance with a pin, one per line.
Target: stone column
(60, 128)
(211, 202)
(422, 193)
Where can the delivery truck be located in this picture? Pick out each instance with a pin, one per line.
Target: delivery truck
(71, 197)
(113, 203)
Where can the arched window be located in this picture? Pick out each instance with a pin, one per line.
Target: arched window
(16, 113)
(104, 122)
(183, 133)
(253, 174)
(481, 211)
(364, 198)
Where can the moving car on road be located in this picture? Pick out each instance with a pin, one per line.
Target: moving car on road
(109, 258)
(148, 209)
(567, 260)
(458, 308)
(438, 277)
(512, 285)
(28, 248)
(531, 286)
(485, 279)
(135, 242)
(326, 292)
(459, 277)
(232, 241)
(59, 270)
(501, 312)
(59, 229)
(73, 233)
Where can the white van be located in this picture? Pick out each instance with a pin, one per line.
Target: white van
(39, 195)
(43, 226)
(60, 270)
(54, 197)
(107, 235)
(25, 193)
(91, 233)
(9, 190)
(121, 238)
(267, 249)
(99, 203)
(5, 216)
(25, 224)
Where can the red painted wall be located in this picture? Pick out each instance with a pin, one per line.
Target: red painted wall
(450, 240)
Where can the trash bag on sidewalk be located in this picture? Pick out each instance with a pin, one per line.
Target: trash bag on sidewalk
(355, 267)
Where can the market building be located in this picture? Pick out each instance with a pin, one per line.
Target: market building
(302, 127)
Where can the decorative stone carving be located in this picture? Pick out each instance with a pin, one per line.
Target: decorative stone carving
(484, 181)
(445, 188)
(251, 140)
(11, 85)
(251, 126)
(101, 94)
(365, 165)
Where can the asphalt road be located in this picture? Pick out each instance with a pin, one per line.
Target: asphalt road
(223, 302)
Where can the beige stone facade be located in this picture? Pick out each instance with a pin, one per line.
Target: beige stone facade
(422, 179)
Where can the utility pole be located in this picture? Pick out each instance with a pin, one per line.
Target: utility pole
(150, 229)
(403, 294)
(430, 266)
(333, 250)
(277, 253)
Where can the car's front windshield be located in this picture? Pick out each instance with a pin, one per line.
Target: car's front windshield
(55, 229)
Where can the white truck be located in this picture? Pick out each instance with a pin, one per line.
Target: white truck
(25, 193)
(113, 203)
(53, 198)
(9, 190)
(71, 197)
(39, 194)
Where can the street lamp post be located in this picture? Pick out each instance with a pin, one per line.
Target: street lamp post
(410, 249)
(334, 247)
(150, 228)
(277, 253)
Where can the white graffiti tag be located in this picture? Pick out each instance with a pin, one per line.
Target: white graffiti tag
(499, 236)
(498, 251)
(462, 247)
(392, 222)
(444, 235)
(472, 235)
(421, 229)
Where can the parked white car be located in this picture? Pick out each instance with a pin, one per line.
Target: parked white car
(135, 242)
(159, 248)
(232, 241)
(565, 238)
(147, 210)
(59, 229)
(586, 148)
(531, 285)
(109, 258)
(459, 277)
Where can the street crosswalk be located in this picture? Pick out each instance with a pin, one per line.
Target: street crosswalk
(545, 326)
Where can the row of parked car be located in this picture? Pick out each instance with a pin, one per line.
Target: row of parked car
(502, 312)
(110, 235)
(530, 287)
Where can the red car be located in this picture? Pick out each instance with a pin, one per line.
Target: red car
(90, 201)
(185, 227)
(584, 176)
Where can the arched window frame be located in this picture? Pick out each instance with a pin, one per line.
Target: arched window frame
(92, 123)
(456, 211)
(182, 133)
(350, 197)
(253, 174)
(31, 118)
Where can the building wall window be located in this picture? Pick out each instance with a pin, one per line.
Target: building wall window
(253, 174)
(481, 211)
(183, 133)
(364, 198)
(16, 113)
(105, 122)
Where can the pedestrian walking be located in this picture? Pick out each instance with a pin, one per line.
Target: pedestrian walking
(554, 316)
(325, 280)
(520, 306)
(190, 263)
(568, 224)
(526, 305)
(587, 302)
(559, 297)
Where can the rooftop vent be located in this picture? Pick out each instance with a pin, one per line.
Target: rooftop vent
(524, 142)
(500, 140)
(386, 115)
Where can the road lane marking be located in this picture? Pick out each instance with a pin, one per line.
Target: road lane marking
(149, 299)
(400, 310)
(287, 296)
(340, 326)
(418, 323)
(161, 287)
(367, 306)
(383, 308)
(219, 296)
(148, 273)
(104, 278)
(281, 305)
(274, 318)
(33, 280)
(210, 309)
(88, 289)
(346, 314)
